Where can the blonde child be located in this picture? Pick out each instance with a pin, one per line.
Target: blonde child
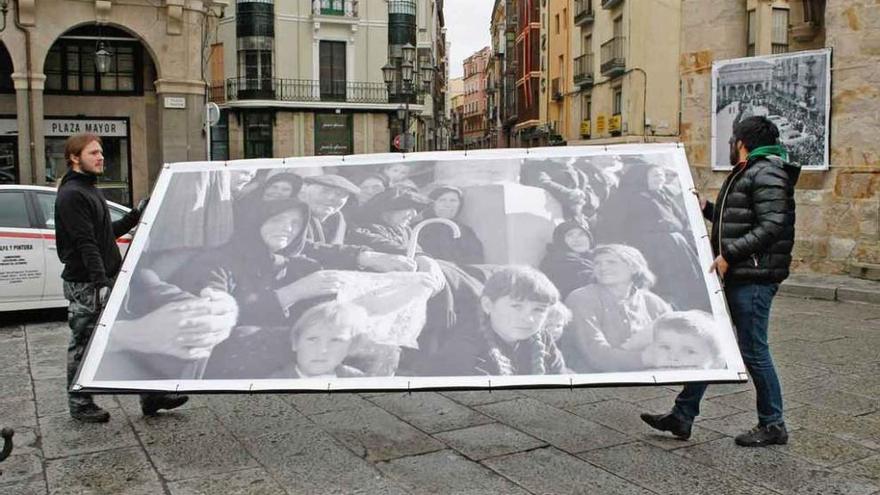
(684, 340)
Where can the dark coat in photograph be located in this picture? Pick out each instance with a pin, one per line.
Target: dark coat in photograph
(437, 240)
(375, 233)
(567, 269)
(656, 223)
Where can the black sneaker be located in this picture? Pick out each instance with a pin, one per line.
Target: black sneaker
(151, 404)
(90, 414)
(668, 422)
(762, 436)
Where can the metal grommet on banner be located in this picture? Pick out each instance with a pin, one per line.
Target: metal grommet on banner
(490, 386)
(177, 387)
(251, 388)
(571, 384)
(407, 388)
(719, 290)
(328, 388)
(743, 376)
(704, 236)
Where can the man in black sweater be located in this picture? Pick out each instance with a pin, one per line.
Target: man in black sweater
(752, 239)
(86, 241)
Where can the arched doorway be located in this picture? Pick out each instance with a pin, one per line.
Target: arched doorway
(100, 79)
(8, 138)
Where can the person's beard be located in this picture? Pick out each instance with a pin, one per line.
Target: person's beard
(734, 155)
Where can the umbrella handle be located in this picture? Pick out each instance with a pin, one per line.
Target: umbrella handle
(6, 434)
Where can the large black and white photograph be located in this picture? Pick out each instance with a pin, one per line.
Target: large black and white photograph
(792, 90)
(533, 267)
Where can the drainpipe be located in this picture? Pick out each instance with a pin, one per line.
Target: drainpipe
(30, 92)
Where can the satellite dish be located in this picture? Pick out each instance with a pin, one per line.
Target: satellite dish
(212, 114)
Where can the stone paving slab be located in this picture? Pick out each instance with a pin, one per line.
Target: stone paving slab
(774, 469)
(30, 488)
(376, 435)
(624, 417)
(559, 428)
(15, 387)
(21, 468)
(480, 397)
(667, 473)
(831, 398)
(446, 472)
(246, 482)
(825, 450)
(18, 412)
(310, 461)
(63, 437)
(315, 403)
(191, 445)
(867, 468)
(112, 471)
(567, 398)
(550, 470)
(51, 394)
(254, 415)
(491, 440)
(430, 412)
(864, 430)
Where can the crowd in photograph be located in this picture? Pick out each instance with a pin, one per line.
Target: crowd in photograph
(619, 288)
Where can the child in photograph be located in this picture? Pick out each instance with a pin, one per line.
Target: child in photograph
(321, 340)
(557, 319)
(507, 337)
(684, 340)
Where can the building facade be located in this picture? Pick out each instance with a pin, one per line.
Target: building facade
(838, 220)
(556, 80)
(624, 76)
(475, 117)
(304, 77)
(130, 72)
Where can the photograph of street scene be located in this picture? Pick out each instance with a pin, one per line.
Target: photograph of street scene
(547, 265)
(791, 90)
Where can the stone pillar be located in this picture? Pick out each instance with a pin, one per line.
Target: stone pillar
(182, 134)
(31, 149)
(22, 110)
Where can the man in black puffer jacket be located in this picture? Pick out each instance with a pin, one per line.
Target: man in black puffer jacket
(752, 238)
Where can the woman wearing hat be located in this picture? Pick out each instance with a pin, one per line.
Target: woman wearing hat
(385, 223)
(437, 240)
(612, 317)
(277, 187)
(569, 259)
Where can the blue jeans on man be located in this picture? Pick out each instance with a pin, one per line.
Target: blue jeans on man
(749, 306)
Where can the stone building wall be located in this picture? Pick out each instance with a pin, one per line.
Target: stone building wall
(838, 210)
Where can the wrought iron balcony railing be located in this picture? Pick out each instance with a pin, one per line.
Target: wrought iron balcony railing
(614, 56)
(583, 12)
(583, 70)
(302, 90)
(610, 4)
(341, 8)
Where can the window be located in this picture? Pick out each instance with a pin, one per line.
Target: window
(779, 43)
(46, 203)
(618, 26)
(586, 107)
(750, 48)
(13, 212)
(332, 70)
(618, 101)
(557, 23)
(220, 137)
(70, 68)
(257, 134)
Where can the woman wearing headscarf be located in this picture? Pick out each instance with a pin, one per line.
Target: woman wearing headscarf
(612, 317)
(385, 221)
(280, 186)
(262, 268)
(654, 221)
(569, 259)
(438, 241)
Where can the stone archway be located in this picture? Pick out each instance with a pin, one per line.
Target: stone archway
(7, 67)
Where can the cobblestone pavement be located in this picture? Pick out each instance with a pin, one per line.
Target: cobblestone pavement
(516, 442)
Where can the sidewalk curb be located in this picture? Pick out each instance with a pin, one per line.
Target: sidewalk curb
(829, 291)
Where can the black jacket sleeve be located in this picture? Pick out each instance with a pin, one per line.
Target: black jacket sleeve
(126, 223)
(770, 202)
(73, 210)
(709, 211)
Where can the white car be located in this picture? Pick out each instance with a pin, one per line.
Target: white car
(30, 271)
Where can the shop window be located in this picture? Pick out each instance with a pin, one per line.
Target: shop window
(70, 68)
(258, 134)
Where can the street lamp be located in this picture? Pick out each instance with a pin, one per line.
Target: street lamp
(400, 75)
(103, 57)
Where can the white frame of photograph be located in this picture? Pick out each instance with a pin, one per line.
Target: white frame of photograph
(734, 372)
(717, 65)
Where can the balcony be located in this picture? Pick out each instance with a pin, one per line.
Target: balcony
(613, 57)
(556, 88)
(335, 8)
(302, 90)
(583, 70)
(583, 12)
(610, 4)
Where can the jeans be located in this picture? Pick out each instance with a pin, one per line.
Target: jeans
(749, 306)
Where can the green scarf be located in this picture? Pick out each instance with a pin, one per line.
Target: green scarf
(775, 149)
